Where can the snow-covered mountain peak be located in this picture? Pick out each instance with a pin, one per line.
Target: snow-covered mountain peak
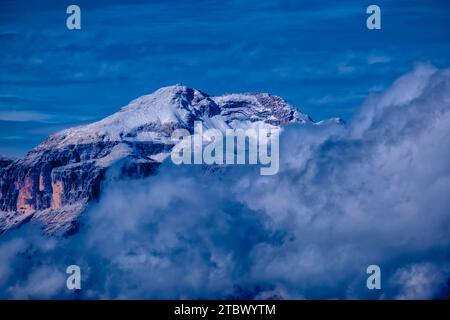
(54, 182)
(259, 107)
(148, 117)
(153, 117)
(173, 97)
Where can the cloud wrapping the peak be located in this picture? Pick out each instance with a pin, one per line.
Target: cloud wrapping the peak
(374, 191)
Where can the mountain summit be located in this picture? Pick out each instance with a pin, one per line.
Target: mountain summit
(54, 182)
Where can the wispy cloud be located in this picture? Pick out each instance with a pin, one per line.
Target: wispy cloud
(373, 59)
(328, 99)
(24, 116)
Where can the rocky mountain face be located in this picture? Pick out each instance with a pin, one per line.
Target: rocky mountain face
(55, 181)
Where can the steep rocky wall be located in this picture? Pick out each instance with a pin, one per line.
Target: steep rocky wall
(55, 181)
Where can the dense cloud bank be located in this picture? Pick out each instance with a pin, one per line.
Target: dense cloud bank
(375, 191)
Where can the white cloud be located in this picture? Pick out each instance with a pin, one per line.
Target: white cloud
(418, 281)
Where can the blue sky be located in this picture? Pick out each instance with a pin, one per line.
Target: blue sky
(318, 55)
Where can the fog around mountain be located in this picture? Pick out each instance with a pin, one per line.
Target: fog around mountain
(374, 191)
